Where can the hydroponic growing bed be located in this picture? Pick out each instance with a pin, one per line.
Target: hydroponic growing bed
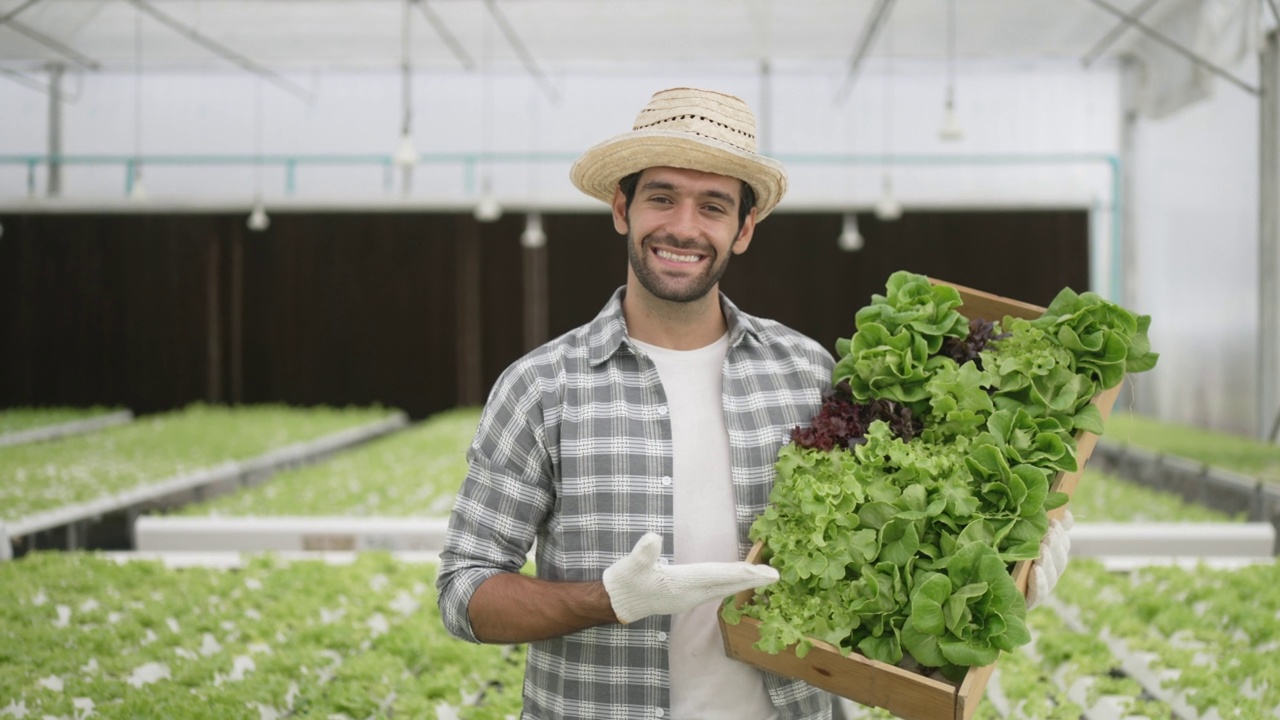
(21, 425)
(47, 476)
(415, 471)
(16, 419)
(391, 494)
(1231, 452)
(86, 635)
(70, 482)
(1157, 643)
(272, 638)
(1109, 498)
(1203, 640)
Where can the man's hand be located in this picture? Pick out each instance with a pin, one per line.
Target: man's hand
(639, 586)
(1048, 569)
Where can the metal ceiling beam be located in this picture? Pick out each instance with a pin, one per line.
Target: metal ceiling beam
(446, 35)
(1268, 366)
(14, 12)
(518, 46)
(70, 53)
(25, 81)
(1114, 34)
(1175, 46)
(879, 16)
(223, 51)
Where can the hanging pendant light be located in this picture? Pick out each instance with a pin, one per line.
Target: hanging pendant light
(406, 155)
(850, 239)
(533, 237)
(950, 129)
(258, 220)
(137, 191)
(887, 207)
(488, 209)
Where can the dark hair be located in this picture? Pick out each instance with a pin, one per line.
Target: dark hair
(745, 202)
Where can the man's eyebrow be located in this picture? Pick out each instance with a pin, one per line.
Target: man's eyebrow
(658, 185)
(670, 187)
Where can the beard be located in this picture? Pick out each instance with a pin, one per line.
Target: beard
(679, 290)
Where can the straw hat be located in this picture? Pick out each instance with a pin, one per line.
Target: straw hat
(690, 129)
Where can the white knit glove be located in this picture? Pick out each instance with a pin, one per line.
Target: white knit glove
(639, 586)
(1048, 569)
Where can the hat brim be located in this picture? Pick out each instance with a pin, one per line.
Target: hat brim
(599, 169)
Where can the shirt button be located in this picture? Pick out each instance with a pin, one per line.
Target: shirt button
(666, 479)
(662, 410)
(658, 712)
(663, 561)
(662, 636)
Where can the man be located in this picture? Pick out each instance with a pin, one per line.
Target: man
(638, 449)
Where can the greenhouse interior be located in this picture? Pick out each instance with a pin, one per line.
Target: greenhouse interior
(297, 299)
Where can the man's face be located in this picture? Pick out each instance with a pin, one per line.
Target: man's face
(682, 228)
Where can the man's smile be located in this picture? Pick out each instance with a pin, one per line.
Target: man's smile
(677, 257)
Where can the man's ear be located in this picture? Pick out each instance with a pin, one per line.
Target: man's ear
(619, 206)
(745, 233)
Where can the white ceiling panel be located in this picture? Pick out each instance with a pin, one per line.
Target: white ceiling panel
(560, 35)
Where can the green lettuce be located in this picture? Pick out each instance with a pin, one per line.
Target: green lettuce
(1107, 340)
(901, 543)
(899, 335)
(965, 615)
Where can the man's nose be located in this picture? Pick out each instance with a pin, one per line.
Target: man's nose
(683, 221)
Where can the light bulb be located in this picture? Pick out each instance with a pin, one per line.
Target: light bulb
(850, 239)
(888, 207)
(258, 220)
(488, 209)
(950, 125)
(406, 155)
(533, 236)
(137, 190)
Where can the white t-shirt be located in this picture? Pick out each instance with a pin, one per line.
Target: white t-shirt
(705, 683)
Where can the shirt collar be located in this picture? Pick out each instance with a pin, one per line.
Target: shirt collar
(607, 333)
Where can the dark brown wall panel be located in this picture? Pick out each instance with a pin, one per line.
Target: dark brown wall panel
(351, 309)
(795, 273)
(103, 309)
(501, 296)
(586, 262)
(356, 308)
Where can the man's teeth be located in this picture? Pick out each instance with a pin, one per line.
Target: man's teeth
(668, 255)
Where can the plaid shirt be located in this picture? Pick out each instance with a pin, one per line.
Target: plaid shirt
(571, 451)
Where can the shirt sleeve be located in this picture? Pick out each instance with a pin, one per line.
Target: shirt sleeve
(506, 495)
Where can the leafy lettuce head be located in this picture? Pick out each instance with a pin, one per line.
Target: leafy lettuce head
(1107, 340)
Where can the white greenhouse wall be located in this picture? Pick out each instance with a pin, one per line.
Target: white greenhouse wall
(1196, 244)
(1046, 109)
(1040, 134)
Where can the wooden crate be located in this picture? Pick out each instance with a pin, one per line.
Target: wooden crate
(869, 682)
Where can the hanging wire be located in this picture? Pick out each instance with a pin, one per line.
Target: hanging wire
(406, 71)
(486, 92)
(258, 122)
(951, 53)
(137, 95)
(888, 97)
(487, 209)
